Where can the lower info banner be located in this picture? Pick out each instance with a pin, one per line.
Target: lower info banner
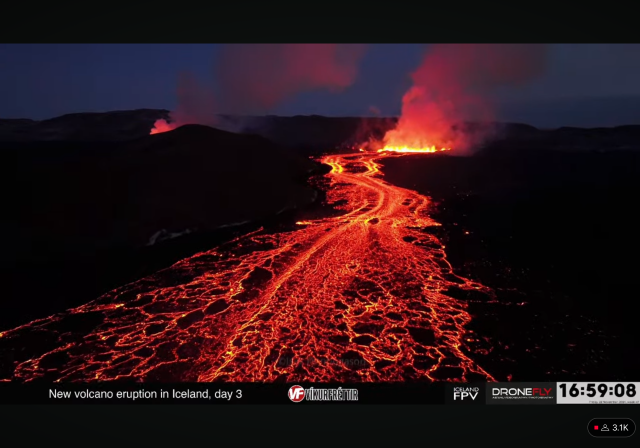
(437, 393)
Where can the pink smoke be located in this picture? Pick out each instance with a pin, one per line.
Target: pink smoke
(254, 78)
(456, 83)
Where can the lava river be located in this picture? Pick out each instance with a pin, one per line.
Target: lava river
(355, 297)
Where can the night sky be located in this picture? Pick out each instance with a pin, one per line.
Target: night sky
(584, 84)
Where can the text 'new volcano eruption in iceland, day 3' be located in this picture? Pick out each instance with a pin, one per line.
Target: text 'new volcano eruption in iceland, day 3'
(363, 293)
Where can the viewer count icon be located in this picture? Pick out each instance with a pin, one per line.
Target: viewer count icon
(611, 427)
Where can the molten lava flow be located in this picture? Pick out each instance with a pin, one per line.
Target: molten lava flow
(357, 297)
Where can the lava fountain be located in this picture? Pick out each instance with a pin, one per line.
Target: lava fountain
(407, 149)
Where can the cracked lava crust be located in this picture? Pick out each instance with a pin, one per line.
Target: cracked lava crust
(355, 297)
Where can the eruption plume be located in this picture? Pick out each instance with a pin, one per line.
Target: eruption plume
(196, 105)
(255, 78)
(455, 84)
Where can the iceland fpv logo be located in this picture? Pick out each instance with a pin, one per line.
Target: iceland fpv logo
(465, 393)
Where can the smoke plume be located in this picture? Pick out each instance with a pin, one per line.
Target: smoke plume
(456, 84)
(255, 78)
(196, 105)
(375, 111)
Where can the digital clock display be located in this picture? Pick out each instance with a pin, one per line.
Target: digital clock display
(598, 393)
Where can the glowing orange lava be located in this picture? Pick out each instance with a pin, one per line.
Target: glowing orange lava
(357, 297)
(406, 149)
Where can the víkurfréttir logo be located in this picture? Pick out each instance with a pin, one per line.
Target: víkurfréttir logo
(296, 394)
(299, 393)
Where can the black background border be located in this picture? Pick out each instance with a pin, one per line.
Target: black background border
(338, 425)
(384, 22)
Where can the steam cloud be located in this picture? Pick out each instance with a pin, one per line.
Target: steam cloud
(254, 78)
(456, 84)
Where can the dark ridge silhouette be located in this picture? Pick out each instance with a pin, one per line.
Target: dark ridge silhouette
(307, 135)
(192, 177)
(80, 210)
(98, 126)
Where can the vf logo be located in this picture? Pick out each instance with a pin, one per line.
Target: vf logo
(296, 394)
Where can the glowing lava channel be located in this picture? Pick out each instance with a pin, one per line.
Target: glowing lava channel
(357, 297)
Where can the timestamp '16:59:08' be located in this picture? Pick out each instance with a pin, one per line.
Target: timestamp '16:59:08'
(593, 389)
